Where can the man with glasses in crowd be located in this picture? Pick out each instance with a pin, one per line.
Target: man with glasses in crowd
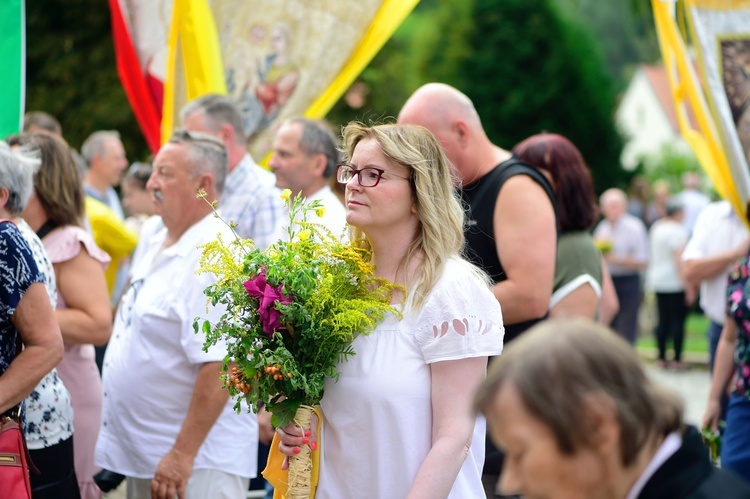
(167, 423)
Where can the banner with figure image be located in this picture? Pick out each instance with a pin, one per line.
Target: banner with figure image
(721, 33)
(720, 100)
(279, 59)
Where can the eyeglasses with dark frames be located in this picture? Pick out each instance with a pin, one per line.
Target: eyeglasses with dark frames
(368, 176)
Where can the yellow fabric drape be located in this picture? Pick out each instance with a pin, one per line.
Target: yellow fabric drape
(391, 14)
(686, 90)
(192, 32)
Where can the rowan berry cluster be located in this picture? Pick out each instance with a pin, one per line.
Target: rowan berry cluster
(237, 380)
(277, 373)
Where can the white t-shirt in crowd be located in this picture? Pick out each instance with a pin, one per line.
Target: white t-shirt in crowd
(629, 239)
(666, 238)
(717, 230)
(693, 202)
(153, 360)
(378, 416)
(334, 216)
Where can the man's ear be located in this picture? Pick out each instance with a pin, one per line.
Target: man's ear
(206, 183)
(227, 133)
(462, 132)
(319, 167)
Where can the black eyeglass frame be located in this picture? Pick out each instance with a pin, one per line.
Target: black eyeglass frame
(340, 167)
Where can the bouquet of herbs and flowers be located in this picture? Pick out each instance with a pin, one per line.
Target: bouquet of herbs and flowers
(712, 440)
(292, 312)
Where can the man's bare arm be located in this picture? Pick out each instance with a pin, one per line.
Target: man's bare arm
(526, 242)
(206, 405)
(696, 270)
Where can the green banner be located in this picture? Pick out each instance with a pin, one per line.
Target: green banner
(13, 55)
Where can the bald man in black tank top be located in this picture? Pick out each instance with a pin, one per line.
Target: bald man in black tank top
(511, 228)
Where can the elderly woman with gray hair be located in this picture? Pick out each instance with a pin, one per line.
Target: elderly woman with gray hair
(27, 294)
(577, 416)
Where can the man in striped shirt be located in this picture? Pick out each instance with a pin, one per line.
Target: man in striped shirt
(250, 199)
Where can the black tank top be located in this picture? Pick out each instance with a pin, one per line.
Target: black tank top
(480, 198)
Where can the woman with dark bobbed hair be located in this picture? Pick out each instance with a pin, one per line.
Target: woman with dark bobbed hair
(582, 286)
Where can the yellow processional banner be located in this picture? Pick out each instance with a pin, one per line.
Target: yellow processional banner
(277, 59)
(720, 99)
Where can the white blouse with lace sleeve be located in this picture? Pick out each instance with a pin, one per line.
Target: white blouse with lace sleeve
(461, 318)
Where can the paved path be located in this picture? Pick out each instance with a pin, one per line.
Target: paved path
(118, 493)
(692, 385)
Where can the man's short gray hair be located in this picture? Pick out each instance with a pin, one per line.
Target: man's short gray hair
(219, 110)
(206, 154)
(317, 138)
(559, 365)
(17, 170)
(42, 120)
(96, 144)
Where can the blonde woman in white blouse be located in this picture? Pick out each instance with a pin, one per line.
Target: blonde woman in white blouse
(398, 422)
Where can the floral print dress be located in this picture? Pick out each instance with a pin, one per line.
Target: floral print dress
(49, 411)
(738, 308)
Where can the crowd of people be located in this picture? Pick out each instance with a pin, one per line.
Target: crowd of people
(504, 257)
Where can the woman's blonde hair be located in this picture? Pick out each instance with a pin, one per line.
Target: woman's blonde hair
(440, 232)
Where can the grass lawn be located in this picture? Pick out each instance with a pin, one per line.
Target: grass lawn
(695, 335)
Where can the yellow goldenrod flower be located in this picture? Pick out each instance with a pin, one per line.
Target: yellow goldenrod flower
(321, 211)
(286, 194)
(304, 234)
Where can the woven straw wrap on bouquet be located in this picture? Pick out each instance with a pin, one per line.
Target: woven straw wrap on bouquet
(281, 479)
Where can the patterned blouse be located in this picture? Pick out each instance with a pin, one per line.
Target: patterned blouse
(738, 308)
(18, 271)
(49, 410)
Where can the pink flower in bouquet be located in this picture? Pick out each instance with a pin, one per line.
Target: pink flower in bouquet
(267, 296)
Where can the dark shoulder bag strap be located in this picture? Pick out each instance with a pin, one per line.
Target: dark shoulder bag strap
(46, 228)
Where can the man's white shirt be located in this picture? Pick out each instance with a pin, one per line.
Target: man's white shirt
(153, 360)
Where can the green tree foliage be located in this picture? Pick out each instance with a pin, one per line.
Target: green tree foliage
(71, 74)
(669, 165)
(527, 67)
(531, 70)
(428, 46)
(623, 30)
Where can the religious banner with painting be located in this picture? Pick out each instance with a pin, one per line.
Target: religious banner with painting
(721, 33)
(278, 58)
(719, 99)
